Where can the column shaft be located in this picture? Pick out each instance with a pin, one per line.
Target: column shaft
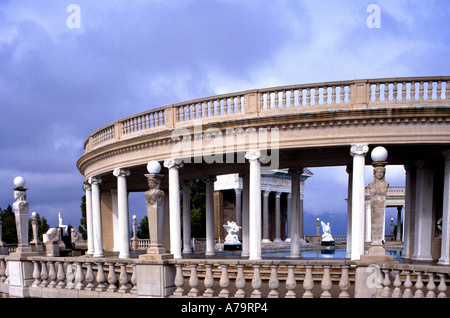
(254, 205)
(174, 207)
(277, 218)
(295, 214)
(245, 216)
(187, 247)
(358, 197)
(445, 244)
(266, 217)
(97, 217)
(122, 207)
(210, 233)
(89, 225)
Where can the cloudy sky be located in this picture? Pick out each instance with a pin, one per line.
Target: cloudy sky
(68, 70)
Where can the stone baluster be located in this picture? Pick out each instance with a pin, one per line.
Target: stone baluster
(101, 278)
(79, 276)
(134, 280)
(70, 284)
(61, 276)
(274, 283)
(52, 275)
(442, 286)
(240, 282)
(112, 278)
(36, 273)
(44, 274)
(418, 286)
(123, 279)
(407, 284)
(290, 282)
(326, 282)
(256, 282)
(344, 283)
(208, 281)
(90, 278)
(6, 273)
(431, 286)
(193, 281)
(387, 284)
(224, 282)
(179, 280)
(397, 293)
(308, 283)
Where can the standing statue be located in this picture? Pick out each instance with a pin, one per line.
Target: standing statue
(232, 239)
(327, 238)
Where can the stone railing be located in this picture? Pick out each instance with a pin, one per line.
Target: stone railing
(410, 280)
(343, 95)
(261, 279)
(74, 277)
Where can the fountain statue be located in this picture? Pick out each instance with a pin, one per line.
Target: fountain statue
(231, 240)
(327, 239)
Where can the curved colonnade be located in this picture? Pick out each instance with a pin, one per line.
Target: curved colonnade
(293, 127)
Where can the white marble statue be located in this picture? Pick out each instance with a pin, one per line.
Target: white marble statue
(65, 227)
(326, 236)
(232, 229)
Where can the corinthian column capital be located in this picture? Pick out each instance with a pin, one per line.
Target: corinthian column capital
(359, 150)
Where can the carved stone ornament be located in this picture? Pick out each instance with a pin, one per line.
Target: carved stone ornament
(173, 163)
(253, 155)
(119, 172)
(378, 186)
(359, 150)
(154, 194)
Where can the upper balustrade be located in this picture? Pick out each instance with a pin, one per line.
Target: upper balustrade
(327, 96)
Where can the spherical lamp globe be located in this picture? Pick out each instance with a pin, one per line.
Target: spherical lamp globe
(153, 166)
(379, 154)
(19, 182)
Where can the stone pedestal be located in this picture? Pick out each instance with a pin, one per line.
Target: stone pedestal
(155, 209)
(155, 280)
(378, 190)
(20, 277)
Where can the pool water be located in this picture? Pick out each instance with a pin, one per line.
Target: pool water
(322, 252)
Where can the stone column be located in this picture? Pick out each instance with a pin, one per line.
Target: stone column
(295, 212)
(358, 153)
(245, 215)
(288, 218)
(254, 204)
(399, 223)
(238, 206)
(210, 234)
(154, 198)
(115, 219)
(89, 222)
(277, 218)
(423, 212)
(122, 207)
(349, 212)
(445, 243)
(410, 197)
(174, 206)
(187, 247)
(97, 216)
(265, 221)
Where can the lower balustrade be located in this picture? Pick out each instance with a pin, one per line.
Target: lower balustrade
(112, 277)
(265, 278)
(83, 277)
